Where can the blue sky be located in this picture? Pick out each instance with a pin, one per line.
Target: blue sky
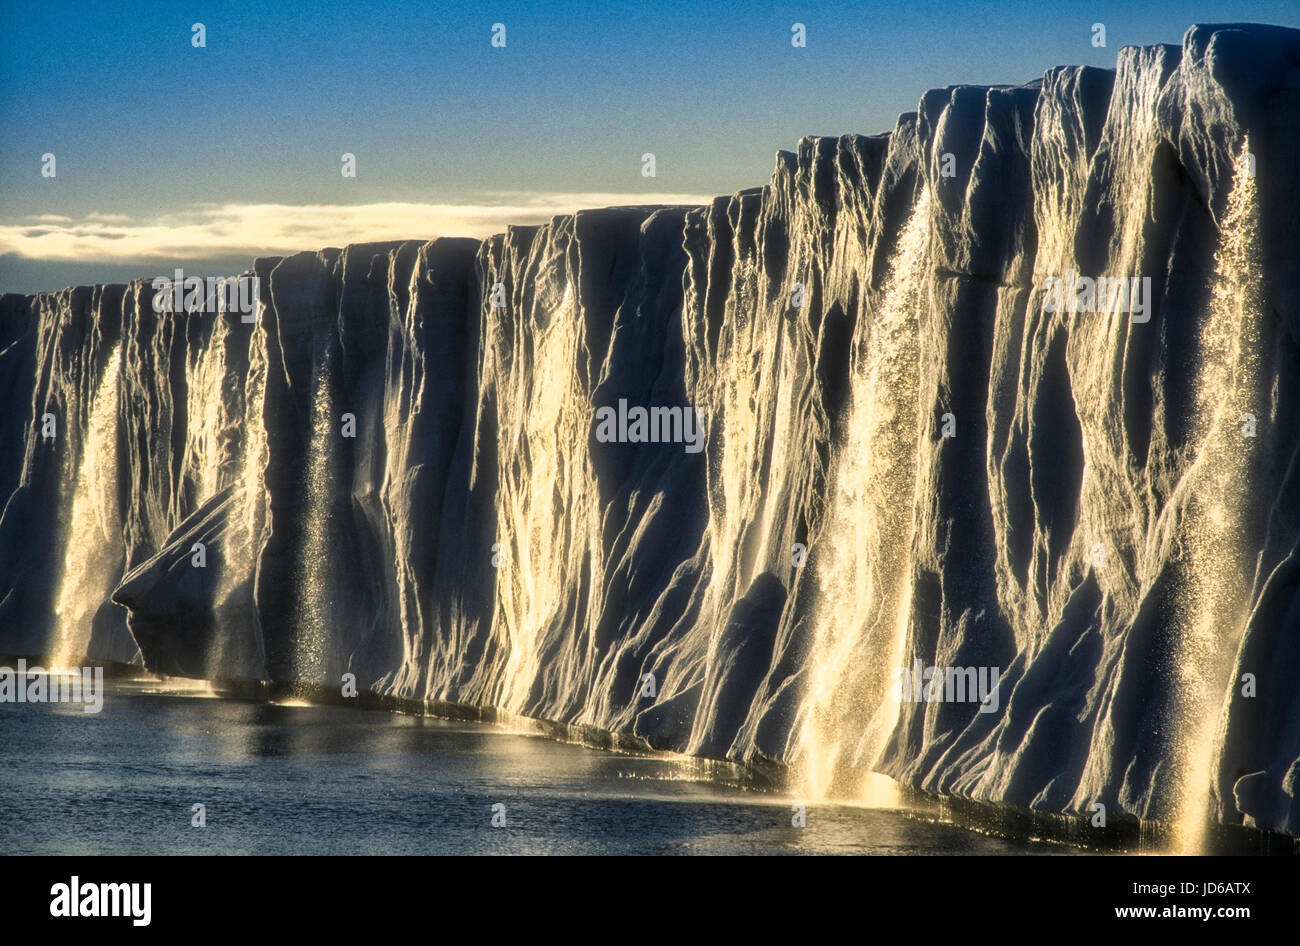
(235, 148)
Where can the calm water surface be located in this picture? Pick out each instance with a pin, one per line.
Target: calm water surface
(285, 779)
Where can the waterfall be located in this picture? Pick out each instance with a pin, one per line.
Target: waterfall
(93, 538)
(313, 583)
(864, 554)
(1217, 564)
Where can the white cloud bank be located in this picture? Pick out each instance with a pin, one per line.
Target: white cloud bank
(212, 230)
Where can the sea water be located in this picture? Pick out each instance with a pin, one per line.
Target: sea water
(305, 779)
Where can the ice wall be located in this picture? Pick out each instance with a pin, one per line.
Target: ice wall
(906, 456)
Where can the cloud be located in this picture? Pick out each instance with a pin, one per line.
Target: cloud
(212, 230)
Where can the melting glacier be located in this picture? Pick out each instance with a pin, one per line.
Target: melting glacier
(908, 457)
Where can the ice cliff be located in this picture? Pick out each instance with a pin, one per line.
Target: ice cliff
(908, 457)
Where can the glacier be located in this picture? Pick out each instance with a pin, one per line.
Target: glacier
(394, 471)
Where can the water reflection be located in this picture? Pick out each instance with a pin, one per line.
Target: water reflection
(330, 780)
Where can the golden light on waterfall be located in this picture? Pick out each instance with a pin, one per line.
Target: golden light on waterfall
(1217, 566)
(94, 531)
(311, 652)
(862, 613)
